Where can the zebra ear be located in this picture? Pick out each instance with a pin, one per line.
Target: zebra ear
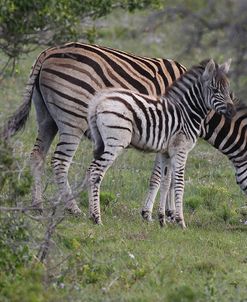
(226, 66)
(209, 70)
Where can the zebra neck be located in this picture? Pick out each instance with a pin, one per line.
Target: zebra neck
(187, 97)
(227, 136)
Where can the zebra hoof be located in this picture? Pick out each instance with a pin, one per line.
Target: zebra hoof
(170, 215)
(147, 215)
(181, 223)
(96, 219)
(162, 220)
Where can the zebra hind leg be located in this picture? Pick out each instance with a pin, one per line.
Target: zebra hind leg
(164, 187)
(95, 175)
(154, 185)
(47, 130)
(37, 159)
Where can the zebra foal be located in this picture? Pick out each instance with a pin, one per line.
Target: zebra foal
(168, 125)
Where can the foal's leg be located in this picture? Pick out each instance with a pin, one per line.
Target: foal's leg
(170, 204)
(154, 185)
(164, 187)
(95, 175)
(178, 163)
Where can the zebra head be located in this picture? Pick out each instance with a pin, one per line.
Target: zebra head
(217, 89)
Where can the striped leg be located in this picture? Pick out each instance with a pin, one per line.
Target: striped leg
(61, 160)
(170, 204)
(95, 175)
(47, 130)
(37, 158)
(179, 162)
(164, 186)
(154, 185)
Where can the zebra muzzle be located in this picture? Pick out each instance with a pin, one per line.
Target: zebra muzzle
(230, 111)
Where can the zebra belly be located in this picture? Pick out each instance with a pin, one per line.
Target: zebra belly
(171, 145)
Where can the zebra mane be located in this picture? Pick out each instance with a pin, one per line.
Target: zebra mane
(194, 72)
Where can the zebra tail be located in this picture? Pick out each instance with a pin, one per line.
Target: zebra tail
(95, 133)
(18, 120)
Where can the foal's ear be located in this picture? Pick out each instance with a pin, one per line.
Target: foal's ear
(209, 70)
(225, 66)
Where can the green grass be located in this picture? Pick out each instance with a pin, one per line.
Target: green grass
(128, 259)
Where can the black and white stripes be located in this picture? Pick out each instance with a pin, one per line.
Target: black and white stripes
(168, 125)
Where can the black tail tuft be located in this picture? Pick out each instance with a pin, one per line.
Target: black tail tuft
(17, 121)
(99, 149)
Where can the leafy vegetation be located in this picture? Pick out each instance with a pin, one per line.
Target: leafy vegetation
(190, 28)
(28, 23)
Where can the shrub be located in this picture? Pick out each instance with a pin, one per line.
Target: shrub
(13, 181)
(14, 238)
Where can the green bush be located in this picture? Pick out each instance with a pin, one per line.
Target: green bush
(193, 202)
(13, 181)
(27, 285)
(227, 214)
(14, 240)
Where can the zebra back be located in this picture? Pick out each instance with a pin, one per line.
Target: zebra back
(101, 67)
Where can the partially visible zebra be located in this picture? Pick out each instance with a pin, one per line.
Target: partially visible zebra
(168, 125)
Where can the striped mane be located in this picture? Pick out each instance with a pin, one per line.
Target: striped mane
(193, 72)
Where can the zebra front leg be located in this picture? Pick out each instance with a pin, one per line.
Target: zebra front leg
(179, 162)
(154, 185)
(170, 204)
(164, 187)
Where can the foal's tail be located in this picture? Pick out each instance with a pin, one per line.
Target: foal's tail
(18, 120)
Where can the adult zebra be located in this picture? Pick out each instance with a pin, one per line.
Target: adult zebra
(68, 76)
(169, 125)
(62, 82)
